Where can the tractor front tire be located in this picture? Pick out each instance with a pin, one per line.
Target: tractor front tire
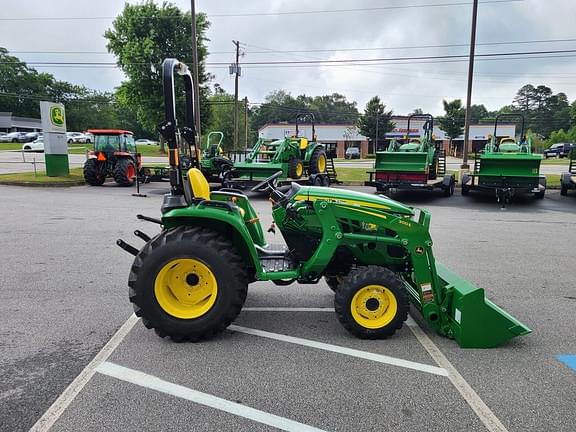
(563, 190)
(318, 161)
(93, 174)
(188, 284)
(295, 168)
(125, 172)
(371, 302)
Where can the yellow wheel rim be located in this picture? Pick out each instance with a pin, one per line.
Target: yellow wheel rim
(186, 288)
(321, 163)
(299, 169)
(374, 306)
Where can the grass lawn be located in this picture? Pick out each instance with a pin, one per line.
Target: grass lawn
(10, 146)
(554, 161)
(145, 150)
(76, 177)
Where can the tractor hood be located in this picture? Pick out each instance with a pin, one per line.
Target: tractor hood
(348, 197)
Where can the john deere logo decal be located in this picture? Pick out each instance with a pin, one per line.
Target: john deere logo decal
(57, 116)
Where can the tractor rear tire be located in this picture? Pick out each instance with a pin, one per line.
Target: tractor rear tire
(178, 265)
(125, 172)
(92, 173)
(318, 161)
(448, 191)
(371, 302)
(295, 168)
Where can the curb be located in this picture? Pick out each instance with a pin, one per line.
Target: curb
(42, 185)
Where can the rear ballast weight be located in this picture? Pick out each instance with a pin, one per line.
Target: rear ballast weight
(417, 164)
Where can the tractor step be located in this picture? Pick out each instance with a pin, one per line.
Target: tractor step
(277, 264)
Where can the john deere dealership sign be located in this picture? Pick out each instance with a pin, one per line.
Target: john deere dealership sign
(53, 118)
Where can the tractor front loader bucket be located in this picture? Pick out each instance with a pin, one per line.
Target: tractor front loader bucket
(401, 161)
(473, 320)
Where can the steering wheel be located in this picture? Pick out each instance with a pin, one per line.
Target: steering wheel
(269, 183)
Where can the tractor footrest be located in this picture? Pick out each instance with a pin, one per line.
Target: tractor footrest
(277, 264)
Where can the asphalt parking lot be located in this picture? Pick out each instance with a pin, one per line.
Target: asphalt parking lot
(286, 363)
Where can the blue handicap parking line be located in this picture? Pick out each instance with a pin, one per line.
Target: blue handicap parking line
(568, 360)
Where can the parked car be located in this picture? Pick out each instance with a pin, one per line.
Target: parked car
(13, 137)
(559, 150)
(144, 141)
(34, 146)
(75, 137)
(30, 136)
(352, 153)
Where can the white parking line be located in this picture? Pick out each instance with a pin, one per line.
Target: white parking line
(482, 410)
(154, 383)
(380, 358)
(59, 406)
(287, 309)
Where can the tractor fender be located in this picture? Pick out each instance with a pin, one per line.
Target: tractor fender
(309, 150)
(448, 178)
(229, 224)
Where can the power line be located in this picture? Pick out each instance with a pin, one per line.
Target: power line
(330, 62)
(253, 14)
(418, 6)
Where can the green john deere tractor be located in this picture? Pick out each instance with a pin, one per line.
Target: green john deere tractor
(416, 164)
(299, 159)
(568, 179)
(189, 281)
(213, 163)
(506, 167)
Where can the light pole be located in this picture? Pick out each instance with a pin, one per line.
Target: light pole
(469, 93)
(376, 139)
(195, 70)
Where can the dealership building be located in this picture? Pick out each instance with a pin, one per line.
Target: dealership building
(11, 123)
(342, 136)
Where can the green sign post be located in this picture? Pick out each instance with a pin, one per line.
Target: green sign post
(55, 146)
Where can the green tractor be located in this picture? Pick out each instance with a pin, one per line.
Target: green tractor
(114, 155)
(506, 167)
(213, 163)
(190, 281)
(416, 164)
(568, 179)
(298, 158)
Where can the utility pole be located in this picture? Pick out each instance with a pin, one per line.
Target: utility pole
(469, 94)
(236, 72)
(246, 122)
(375, 149)
(195, 70)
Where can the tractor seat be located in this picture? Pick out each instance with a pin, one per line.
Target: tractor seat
(199, 184)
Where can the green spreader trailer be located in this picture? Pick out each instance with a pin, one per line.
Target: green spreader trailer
(416, 164)
(506, 167)
(568, 179)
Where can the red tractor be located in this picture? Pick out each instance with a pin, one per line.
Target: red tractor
(114, 156)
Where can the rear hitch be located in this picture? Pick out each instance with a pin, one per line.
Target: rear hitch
(128, 248)
(149, 219)
(142, 235)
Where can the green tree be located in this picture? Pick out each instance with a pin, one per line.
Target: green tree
(477, 113)
(452, 123)
(279, 106)
(375, 113)
(222, 119)
(141, 38)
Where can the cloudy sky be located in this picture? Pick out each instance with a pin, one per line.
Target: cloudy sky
(270, 33)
